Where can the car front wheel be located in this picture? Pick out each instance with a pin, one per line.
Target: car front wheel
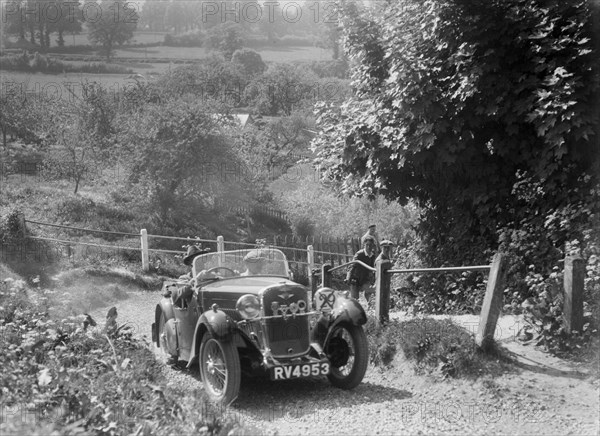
(220, 369)
(348, 353)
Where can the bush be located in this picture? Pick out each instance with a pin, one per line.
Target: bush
(250, 61)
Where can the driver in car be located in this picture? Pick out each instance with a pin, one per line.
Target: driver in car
(182, 294)
(254, 262)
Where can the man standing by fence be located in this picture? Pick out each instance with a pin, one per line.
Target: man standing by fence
(372, 232)
(360, 278)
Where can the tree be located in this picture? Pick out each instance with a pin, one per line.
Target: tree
(84, 132)
(225, 38)
(282, 89)
(114, 24)
(180, 158)
(250, 61)
(153, 15)
(21, 115)
(456, 104)
(69, 19)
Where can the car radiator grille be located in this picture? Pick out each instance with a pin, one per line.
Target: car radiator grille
(287, 334)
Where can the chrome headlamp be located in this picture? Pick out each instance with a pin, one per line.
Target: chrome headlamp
(248, 306)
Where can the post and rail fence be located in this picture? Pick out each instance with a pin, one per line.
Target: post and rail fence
(574, 272)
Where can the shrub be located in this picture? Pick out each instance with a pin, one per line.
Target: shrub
(250, 61)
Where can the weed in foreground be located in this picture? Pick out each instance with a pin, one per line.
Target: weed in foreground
(67, 376)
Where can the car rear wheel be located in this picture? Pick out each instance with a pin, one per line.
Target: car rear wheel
(220, 369)
(348, 353)
(170, 359)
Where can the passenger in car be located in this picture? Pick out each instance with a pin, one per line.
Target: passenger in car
(254, 262)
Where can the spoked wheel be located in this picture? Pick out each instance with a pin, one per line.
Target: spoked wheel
(220, 369)
(348, 353)
(162, 337)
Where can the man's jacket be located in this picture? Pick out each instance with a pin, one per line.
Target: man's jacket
(359, 272)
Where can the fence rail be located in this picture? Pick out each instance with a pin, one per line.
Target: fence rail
(306, 256)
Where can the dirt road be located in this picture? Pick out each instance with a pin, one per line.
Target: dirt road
(540, 394)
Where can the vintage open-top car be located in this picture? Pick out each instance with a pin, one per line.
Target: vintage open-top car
(241, 312)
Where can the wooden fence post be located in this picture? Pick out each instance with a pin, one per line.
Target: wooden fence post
(144, 247)
(310, 259)
(573, 292)
(492, 302)
(326, 275)
(383, 281)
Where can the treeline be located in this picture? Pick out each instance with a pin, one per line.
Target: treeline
(108, 23)
(199, 23)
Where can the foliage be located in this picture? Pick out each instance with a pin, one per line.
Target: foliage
(78, 377)
(250, 61)
(178, 154)
(215, 81)
(41, 19)
(282, 89)
(84, 132)
(434, 346)
(115, 24)
(447, 113)
(11, 228)
(46, 64)
(543, 307)
(225, 38)
(311, 202)
(336, 68)
(21, 115)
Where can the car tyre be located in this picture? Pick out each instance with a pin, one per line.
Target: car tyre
(220, 369)
(168, 357)
(348, 353)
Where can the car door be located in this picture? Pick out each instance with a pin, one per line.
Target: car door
(186, 317)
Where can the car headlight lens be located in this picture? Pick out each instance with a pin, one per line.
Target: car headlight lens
(248, 306)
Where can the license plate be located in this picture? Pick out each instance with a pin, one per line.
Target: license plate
(287, 372)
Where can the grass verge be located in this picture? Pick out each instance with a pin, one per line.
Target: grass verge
(433, 346)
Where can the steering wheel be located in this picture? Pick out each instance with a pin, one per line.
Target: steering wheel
(216, 268)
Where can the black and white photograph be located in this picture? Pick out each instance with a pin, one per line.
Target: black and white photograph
(299, 217)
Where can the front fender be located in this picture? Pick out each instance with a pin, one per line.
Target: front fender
(339, 307)
(348, 310)
(217, 323)
(165, 305)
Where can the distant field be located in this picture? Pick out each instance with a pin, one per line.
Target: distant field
(269, 54)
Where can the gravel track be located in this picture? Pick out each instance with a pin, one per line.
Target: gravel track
(542, 395)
